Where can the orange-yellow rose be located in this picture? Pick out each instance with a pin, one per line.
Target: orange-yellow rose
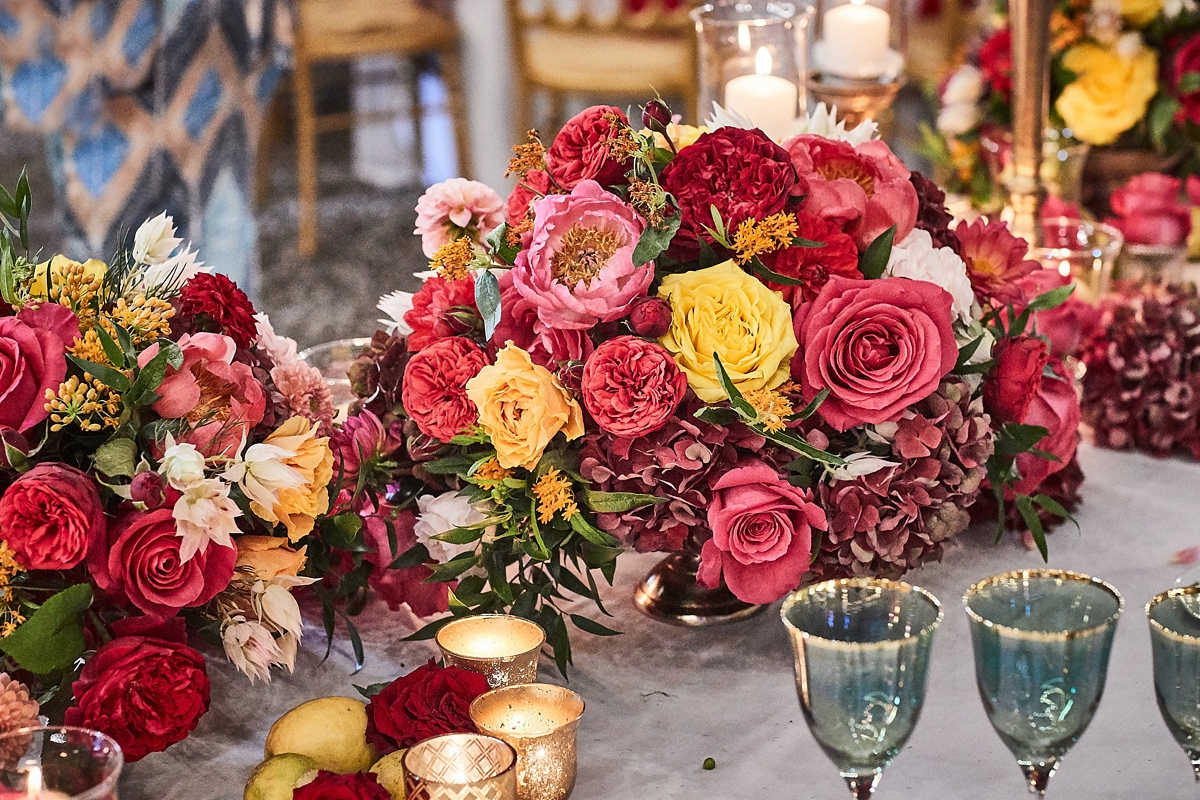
(298, 508)
(522, 406)
(268, 556)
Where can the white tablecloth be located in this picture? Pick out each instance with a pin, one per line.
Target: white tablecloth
(661, 699)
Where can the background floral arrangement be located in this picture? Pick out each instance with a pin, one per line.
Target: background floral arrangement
(1123, 73)
(669, 337)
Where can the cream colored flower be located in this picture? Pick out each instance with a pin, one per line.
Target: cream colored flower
(251, 648)
(182, 464)
(155, 240)
(205, 513)
(297, 505)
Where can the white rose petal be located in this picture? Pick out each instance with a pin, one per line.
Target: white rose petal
(917, 258)
(182, 464)
(859, 464)
(441, 513)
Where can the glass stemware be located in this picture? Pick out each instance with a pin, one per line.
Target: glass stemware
(1042, 640)
(59, 763)
(1175, 641)
(861, 654)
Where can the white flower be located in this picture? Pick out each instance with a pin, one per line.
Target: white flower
(205, 513)
(168, 277)
(824, 122)
(1129, 45)
(917, 258)
(262, 474)
(275, 605)
(251, 648)
(722, 118)
(182, 464)
(396, 305)
(280, 349)
(958, 118)
(1173, 8)
(155, 240)
(964, 86)
(442, 513)
(859, 464)
(288, 645)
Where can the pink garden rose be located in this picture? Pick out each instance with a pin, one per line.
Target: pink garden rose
(762, 534)
(864, 189)
(1148, 210)
(580, 150)
(1056, 408)
(32, 360)
(220, 397)
(50, 515)
(578, 269)
(456, 208)
(434, 389)
(878, 346)
(631, 386)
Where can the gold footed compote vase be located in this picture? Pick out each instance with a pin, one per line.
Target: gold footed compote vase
(670, 593)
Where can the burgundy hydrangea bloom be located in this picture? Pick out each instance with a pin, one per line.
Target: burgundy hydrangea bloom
(932, 215)
(211, 303)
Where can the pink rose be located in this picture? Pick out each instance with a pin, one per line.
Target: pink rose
(864, 189)
(878, 346)
(455, 208)
(578, 269)
(219, 396)
(632, 386)
(580, 150)
(1070, 325)
(50, 515)
(397, 586)
(1055, 408)
(1149, 211)
(762, 534)
(139, 560)
(434, 390)
(32, 359)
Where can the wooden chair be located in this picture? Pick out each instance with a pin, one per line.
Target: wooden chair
(339, 30)
(599, 47)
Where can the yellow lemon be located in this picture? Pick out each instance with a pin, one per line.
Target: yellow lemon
(278, 776)
(332, 731)
(389, 771)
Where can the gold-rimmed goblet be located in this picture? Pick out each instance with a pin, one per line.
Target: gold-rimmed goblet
(1042, 639)
(861, 650)
(1175, 644)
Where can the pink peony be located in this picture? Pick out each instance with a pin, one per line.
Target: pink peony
(631, 387)
(305, 394)
(441, 309)
(864, 189)
(455, 208)
(1149, 211)
(32, 360)
(762, 534)
(995, 260)
(434, 388)
(578, 269)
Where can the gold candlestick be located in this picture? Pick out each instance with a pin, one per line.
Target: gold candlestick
(1030, 24)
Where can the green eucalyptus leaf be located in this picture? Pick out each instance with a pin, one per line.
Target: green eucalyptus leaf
(655, 240)
(487, 300)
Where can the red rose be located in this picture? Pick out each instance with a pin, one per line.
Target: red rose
(632, 386)
(139, 560)
(534, 185)
(580, 150)
(650, 317)
(32, 359)
(1187, 60)
(434, 389)
(399, 586)
(814, 265)
(741, 172)
(437, 310)
(211, 303)
(878, 346)
(762, 534)
(427, 702)
(1016, 378)
(50, 516)
(995, 61)
(1056, 408)
(146, 688)
(332, 786)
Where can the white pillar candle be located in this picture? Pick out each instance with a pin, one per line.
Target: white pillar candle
(767, 100)
(854, 40)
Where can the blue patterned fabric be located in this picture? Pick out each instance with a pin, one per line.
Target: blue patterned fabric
(159, 110)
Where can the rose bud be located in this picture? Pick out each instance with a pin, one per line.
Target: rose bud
(14, 441)
(570, 375)
(148, 488)
(656, 115)
(650, 317)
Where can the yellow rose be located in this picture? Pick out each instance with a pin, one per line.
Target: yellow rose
(1111, 93)
(298, 508)
(723, 310)
(56, 267)
(268, 556)
(682, 135)
(1140, 12)
(521, 407)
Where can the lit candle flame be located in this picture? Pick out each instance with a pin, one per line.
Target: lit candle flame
(744, 38)
(762, 62)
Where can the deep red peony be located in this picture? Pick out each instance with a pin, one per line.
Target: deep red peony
(439, 309)
(332, 786)
(814, 265)
(995, 61)
(146, 688)
(428, 701)
(138, 560)
(211, 303)
(32, 360)
(1016, 379)
(434, 389)
(741, 172)
(879, 346)
(1055, 408)
(580, 150)
(632, 386)
(50, 516)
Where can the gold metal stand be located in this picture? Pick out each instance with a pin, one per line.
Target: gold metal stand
(1030, 23)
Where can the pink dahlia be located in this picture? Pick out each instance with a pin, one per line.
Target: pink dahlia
(995, 260)
(578, 269)
(455, 208)
(305, 394)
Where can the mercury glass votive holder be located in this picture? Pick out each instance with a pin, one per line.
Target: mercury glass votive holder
(460, 766)
(59, 763)
(501, 647)
(1175, 644)
(540, 721)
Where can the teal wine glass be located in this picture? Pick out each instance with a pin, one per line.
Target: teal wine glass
(1042, 639)
(1175, 643)
(861, 653)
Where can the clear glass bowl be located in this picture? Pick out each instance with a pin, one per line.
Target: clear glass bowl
(334, 360)
(59, 763)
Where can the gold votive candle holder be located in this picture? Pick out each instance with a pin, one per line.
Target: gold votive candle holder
(540, 721)
(460, 766)
(501, 647)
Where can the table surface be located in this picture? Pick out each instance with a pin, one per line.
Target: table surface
(660, 700)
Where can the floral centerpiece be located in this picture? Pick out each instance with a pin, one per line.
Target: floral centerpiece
(777, 352)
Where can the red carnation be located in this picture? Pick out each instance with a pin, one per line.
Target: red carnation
(146, 688)
(427, 702)
(332, 786)
(1016, 379)
(742, 173)
(580, 150)
(435, 387)
(211, 303)
(814, 265)
(631, 386)
(50, 515)
(995, 61)
(441, 309)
